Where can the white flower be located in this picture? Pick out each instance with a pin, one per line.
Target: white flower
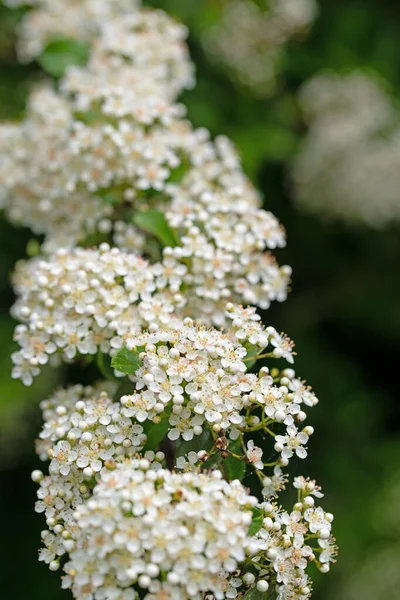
(254, 455)
(293, 441)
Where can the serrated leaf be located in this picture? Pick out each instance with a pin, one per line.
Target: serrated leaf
(126, 361)
(256, 522)
(154, 222)
(61, 53)
(234, 467)
(254, 594)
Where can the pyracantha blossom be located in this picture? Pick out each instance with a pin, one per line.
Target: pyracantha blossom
(225, 234)
(82, 302)
(284, 545)
(197, 378)
(142, 524)
(84, 431)
(138, 65)
(50, 20)
(143, 495)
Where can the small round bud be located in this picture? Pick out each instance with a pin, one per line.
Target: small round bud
(324, 568)
(153, 570)
(262, 585)
(308, 501)
(54, 565)
(173, 578)
(324, 534)
(88, 472)
(37, 476)
(248, 578)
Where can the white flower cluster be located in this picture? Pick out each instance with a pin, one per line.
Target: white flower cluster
(149, 224)
(348, 166)
(83, 431)
(85, 301)
(56, 19)
(283, 546)
(111, 143)
(139, 63)
(141, 524)
(35, 175)
(224, 233)
(197, 378)
(250, 38)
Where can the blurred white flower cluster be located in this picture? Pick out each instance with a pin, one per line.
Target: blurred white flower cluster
(53, 19)
(348, 165)
(250, 38)
(153, 240)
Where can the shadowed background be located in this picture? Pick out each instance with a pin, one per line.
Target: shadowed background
(343, 311)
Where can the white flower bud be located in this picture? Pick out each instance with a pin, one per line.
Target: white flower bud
(262, 585)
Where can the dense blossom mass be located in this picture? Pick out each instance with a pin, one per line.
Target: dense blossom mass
(84, 302)
(156, 252)
(250, 38)
(51, 19)
(348, 166)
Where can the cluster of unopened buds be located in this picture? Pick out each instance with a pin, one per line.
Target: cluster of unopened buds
(164, 476)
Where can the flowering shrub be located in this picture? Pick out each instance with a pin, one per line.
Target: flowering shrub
(164, 477)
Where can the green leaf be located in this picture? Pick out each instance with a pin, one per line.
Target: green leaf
(110, 197)
(61, 53)
(233, 467)
(254, 594)
(256, 522)
(154, 222)
(199, 442)
(126, 361)
(252, 352)
(103, 363)
(155, 433)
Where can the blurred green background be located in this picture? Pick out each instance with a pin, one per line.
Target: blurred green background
(343, 311)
